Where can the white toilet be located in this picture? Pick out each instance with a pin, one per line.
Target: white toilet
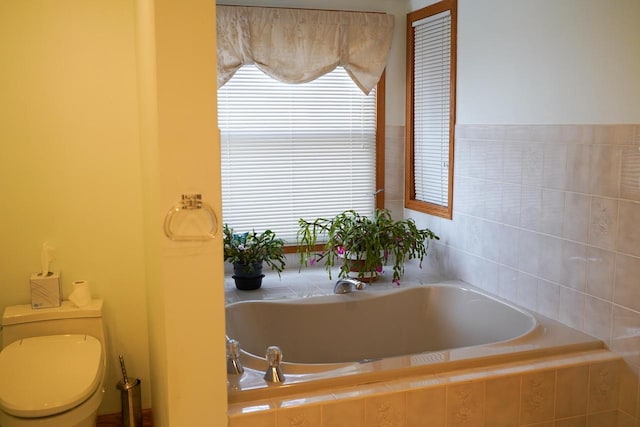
(52, 366)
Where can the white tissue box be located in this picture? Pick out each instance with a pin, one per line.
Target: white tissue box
(45, 291)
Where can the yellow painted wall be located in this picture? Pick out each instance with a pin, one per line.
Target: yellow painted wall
(70, 162)
(182, 156)
(107, 115)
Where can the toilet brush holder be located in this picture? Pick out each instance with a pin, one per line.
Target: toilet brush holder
(131, 402)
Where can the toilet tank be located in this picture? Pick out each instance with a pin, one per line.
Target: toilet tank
(22, 321)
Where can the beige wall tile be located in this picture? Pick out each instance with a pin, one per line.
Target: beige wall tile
(512, 163)
(597, 318)
(385, 410)
(554, 169)
(575, 225)
(603, 223)
(604, 385)
(507, 283)
(492, 200)
(258, 419)
(572, 386)
(548, 299)
(571, 422)
(528, 251)
(627, 281)
(603, 419)
(527, 295)
(571, 308)
(462, 155)
(426, 407)
(508, 240)
(551, 264)
(494, 161)
(510, 204)
(625, 339)
(630, 173)
(577, 175)
(552, 212)
(502, 402)
(629, 228)
(628, 393)
(577, 134)
(465, 405)
(625, 420)
(600, 268)
(574, 265)
(537, 397)
(613, 134)
(532, 164)
(307, 416)
(605, 170)
(476, 159)
(345, 413)
(531, 208)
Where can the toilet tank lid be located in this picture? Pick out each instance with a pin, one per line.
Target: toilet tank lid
(16, 314)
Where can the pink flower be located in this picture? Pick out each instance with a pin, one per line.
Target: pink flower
(312, 261)
(340, 250)
(379, 269)
(396, 282)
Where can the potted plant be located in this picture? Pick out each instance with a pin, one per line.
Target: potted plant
(248, 251)
(362, 244)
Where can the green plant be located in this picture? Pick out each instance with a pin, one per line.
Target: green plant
(252, 248)
(370, 241)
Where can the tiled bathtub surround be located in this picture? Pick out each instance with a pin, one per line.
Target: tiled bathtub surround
(548, 217)
(580, 390)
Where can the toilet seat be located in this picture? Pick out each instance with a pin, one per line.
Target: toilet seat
(42, 376)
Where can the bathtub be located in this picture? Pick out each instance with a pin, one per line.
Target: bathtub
(369, 336)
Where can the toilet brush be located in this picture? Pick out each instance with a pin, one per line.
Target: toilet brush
(125, 379)
(130, 398)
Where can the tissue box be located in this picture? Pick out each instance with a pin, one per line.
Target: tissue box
(45, 290)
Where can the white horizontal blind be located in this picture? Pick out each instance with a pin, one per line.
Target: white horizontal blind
(294, 151)
(432, 88)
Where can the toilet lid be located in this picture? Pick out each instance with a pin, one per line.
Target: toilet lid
(43, 376)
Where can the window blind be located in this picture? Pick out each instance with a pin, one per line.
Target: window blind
(294, 151)
(432, 88)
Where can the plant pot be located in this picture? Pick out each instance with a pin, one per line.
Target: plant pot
(248, 283)
(356, 272)
(247, 277)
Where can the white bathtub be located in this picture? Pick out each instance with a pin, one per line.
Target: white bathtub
(372, 335)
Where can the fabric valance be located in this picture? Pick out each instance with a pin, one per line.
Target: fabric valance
(300, 45)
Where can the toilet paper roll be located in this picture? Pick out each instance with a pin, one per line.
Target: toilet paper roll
(81, 293)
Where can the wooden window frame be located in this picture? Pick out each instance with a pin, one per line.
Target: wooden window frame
(410, 192)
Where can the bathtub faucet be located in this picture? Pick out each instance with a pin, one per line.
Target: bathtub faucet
(346, 285)
(234, 367)
(274, 373)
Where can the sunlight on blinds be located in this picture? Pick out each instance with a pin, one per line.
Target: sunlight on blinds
(292, 151)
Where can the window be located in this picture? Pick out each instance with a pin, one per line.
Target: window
(297, 151)
(431, 76)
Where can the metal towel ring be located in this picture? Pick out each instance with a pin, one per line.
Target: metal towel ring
(190, 202)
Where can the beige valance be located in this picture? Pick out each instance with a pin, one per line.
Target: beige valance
(300, 45)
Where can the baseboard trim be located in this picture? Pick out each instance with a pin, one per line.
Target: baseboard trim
(115, 420)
